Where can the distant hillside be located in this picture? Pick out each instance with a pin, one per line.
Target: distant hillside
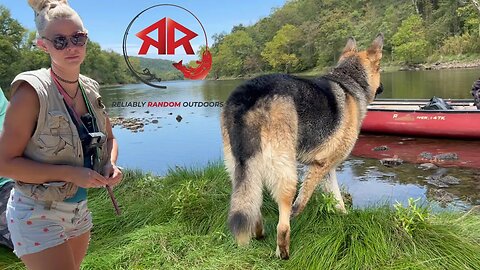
(310, 34)
(160, 67)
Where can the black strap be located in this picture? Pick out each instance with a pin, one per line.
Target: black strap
(84, 137)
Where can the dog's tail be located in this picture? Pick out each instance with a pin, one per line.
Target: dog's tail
(245, 218)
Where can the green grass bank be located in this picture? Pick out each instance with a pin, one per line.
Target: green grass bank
(179, 222)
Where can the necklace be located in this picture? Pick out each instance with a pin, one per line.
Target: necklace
(62, 90)
(63, 80)
(74, 96)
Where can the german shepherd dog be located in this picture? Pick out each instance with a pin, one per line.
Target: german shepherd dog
(270, 122)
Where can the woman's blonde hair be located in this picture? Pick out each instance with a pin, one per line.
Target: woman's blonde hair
(49, 10)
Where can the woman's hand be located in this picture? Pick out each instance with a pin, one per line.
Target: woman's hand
(112, 174)
(86, 178)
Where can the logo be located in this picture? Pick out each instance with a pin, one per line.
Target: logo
(168, 38)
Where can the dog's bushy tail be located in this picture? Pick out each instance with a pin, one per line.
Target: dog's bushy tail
(245, 218)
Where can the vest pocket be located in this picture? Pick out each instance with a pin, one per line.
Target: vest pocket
(57, 136)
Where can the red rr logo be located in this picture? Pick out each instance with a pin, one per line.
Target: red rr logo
(166, 43)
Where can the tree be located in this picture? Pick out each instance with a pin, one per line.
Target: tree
(280, 51)
(11, 36)
(409, 42)
(10, 29)
(476, 4)
(232, 54)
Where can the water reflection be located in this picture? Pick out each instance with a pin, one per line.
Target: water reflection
(370, 182)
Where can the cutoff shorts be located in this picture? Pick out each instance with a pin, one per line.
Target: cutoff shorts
(35, 225)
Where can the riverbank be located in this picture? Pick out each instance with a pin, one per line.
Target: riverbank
(179, 222)
(433, 63)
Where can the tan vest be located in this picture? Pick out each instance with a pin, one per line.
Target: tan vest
(56, 139)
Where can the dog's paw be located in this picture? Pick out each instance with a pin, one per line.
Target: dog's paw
(259, 233)
(282, 253)
(341, 209)
(260, 236)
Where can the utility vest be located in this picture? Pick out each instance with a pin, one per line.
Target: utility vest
(56, 139)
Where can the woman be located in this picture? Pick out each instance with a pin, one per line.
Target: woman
(57, 141)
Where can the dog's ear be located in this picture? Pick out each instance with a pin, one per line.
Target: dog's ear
(351, 46)
(375, 50)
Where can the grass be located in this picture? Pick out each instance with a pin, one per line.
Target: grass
(179, 222)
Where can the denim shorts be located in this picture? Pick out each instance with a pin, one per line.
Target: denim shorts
(35, 225)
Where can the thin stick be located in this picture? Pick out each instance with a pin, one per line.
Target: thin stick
(114, 201)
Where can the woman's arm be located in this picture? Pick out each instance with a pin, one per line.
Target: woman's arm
(20, 120)
(111, 171)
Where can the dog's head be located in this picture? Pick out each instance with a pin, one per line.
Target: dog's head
(369, 59)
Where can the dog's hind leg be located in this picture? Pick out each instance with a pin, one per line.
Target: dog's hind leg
(316, 172)
(283, 188)
(331, 185)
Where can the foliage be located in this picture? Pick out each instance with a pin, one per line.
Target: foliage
(463, 44)
(410, 44)
(279, 52)
(411, 217)
(233, 54)
(413, 30)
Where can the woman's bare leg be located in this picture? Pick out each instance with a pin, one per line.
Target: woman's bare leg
(67, 256)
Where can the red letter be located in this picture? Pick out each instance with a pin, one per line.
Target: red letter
(160, 26)
(185, 41)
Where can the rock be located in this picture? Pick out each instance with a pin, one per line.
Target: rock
(179, 118)
(147, 111)
(446, 156)
(154, 121)
(435, 182)
(450, 180)
(170, 113)
(442, 181)
(441, 195)
(381, 148)
(426, 155)
(428, 166)
(391, 162)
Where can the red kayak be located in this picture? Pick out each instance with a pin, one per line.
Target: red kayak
(406, 117)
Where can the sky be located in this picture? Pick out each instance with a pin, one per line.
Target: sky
(107, 21)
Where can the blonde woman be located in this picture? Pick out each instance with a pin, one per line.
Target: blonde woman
(57, 142)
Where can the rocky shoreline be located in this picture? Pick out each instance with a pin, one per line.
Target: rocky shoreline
(439, 65)
(138, 124)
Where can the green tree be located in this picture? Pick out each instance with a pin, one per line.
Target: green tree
(280, 52)
(410, 44)
(11, 36)
(10, 29)
(232, 54)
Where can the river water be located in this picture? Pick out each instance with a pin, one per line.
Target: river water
(194, 141)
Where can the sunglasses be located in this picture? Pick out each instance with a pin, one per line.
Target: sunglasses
(60, 42)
